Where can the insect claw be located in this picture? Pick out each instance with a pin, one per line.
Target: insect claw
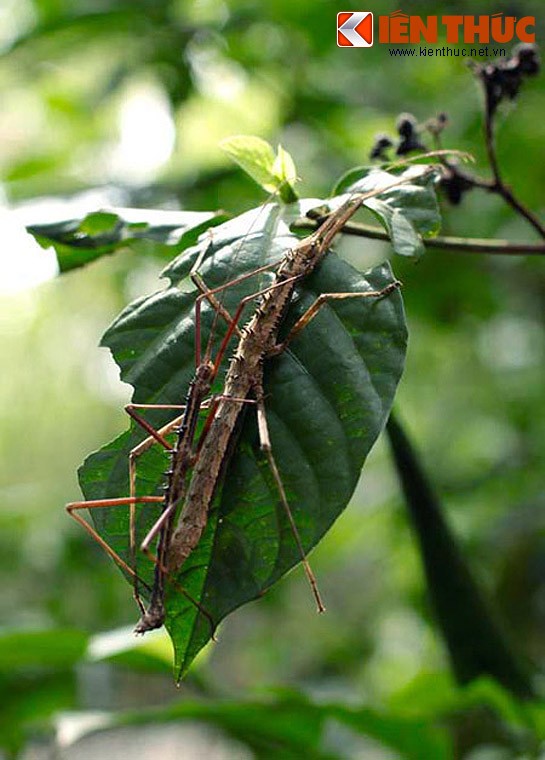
(153, 618)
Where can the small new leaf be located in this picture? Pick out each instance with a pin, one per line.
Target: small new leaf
(274, 173)
(286, 173)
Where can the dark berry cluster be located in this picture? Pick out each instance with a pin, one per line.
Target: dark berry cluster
(407, 141)
(454, 182)
(407, 129)
(503, 79)
(380, 146)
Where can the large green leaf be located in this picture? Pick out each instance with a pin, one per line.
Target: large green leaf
(408, 212)
(328, 397)
(162, 233)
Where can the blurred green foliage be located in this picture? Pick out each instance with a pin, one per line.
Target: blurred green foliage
(75, 76)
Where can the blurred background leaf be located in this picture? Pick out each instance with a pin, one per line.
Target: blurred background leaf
(476, 642)
(79, 241)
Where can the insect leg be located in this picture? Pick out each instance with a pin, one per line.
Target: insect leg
(73, 510)
(266, 447)
(324, 298)
(209, 295)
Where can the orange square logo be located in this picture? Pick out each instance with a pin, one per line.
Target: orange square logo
(355, 29)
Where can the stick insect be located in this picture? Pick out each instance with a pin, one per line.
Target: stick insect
(244, 383)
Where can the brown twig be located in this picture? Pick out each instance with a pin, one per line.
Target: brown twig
(502, 80)
(499, 185)
(467, 180)
(457, 244)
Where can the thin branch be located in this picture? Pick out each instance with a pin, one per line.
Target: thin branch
(475, 180)
(502, 80)
(499, 186)
(457, 244)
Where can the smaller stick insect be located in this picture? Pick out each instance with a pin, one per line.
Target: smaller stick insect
(183, 457)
